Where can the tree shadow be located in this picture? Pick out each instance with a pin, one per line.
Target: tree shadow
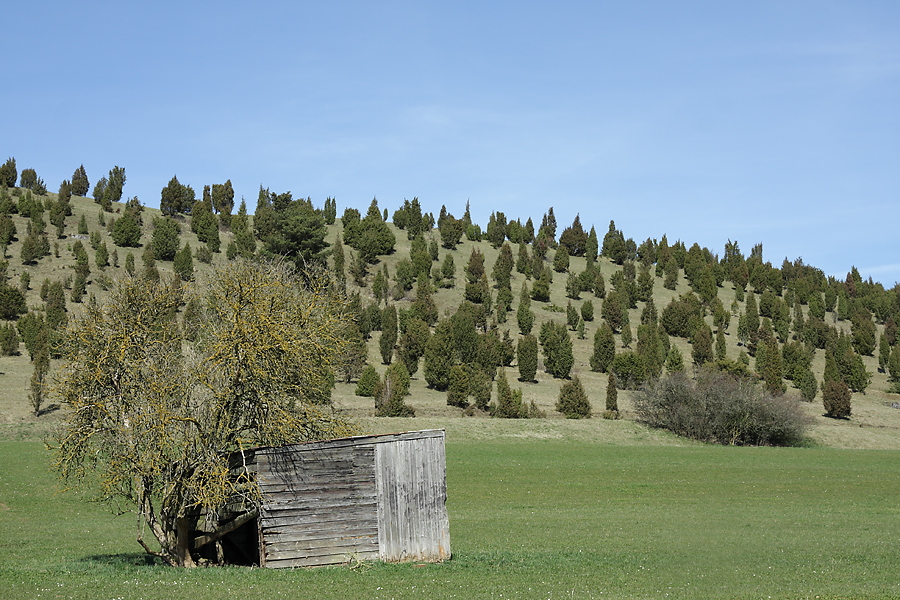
(50, 409)
(123, 560)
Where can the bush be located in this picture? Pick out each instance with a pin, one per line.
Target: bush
(836, 399)
(389, 393)
(367, 382)
(721, 409)
(573, 401)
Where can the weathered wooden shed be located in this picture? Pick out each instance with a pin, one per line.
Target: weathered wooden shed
(366, 497)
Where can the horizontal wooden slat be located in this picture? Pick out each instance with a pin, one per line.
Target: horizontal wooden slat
(321, 560)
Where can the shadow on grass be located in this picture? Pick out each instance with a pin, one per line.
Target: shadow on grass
(127, 560)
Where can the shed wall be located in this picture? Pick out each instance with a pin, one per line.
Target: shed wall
(367, 497)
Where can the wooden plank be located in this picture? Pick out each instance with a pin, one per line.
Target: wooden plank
(303, 548)
(275, 537)
(317, 561)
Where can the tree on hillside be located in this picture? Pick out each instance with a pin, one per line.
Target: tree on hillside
(165, 238)
(290, 228)
(149, 426)
(527, 352)
(575, 240)
(8, 173)
(80, 183)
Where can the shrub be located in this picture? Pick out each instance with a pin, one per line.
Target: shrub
(458, 387)
(367, 383)
(836, 399)
(587, 310)
(721, 409)
(390, 391)
(612, 394)
(573, 401)
(528, 357)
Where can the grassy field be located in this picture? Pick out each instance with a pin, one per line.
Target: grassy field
(547, 508)
(533, 514)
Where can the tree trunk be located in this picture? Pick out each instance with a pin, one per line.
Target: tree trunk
(184, 542)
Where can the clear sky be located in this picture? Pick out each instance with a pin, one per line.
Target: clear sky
(772, 121)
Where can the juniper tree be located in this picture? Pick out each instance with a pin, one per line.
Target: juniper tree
(612, 394)
(388, 338)
(527, 357)
(604, 349)
(439, 356)
(573, 401)
(458, 387)
(524, 316)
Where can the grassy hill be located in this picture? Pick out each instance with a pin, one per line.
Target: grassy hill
(874, 423)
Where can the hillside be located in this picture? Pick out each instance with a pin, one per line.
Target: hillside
(873, 424)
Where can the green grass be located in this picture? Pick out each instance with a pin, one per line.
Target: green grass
(531, 518)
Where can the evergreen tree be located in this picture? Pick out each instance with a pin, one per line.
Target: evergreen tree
(894, 365)
(465, 337)
(126, 232)
(604, 349)
(720, 345)
(524, 316)
(439, 353)
(592, 246)
(80, 183)
(165, 238)
(807, 384)
(557, 347)
(101, 256)
(541, 289)
(184, 263)
(612, 394)
(509, 403)
(412, 344)
(884, 353)
(523, 262)
(527, 358)
(368, 381)
(8, 173)
(599, 285)
(390, 391)
(458, 387)
(573, 401)
(388, 333)
(503, 267)
(626, 335)
(701, 346)
(675, 360)
(572, 316)
(587, 310)
(561, 260)
(41, 360)
(773, 369)
(836, 399)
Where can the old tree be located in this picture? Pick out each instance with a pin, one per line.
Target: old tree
(151, 417)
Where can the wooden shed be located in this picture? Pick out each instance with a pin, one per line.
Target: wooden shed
(361, 498)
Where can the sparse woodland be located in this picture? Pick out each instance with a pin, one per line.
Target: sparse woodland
(449, 318)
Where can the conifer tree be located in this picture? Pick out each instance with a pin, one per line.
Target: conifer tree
(587, 310)
(701, 346)
(561, 260)
(604, 349)
(720, 345)
(573, 401)
(675, 360)
(612, 394)
(412, 344)
(458, 387)
(524, 316)
(439, 354)
(388, 338)
(524, 261)
(557, 347)
(184, 263)
(509, 403)
(527, 357)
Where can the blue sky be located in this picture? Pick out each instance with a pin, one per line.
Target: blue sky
(774, 122)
